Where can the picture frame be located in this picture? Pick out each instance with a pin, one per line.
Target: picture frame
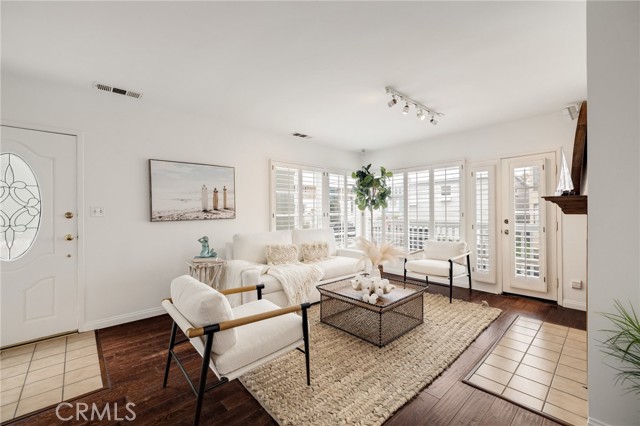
(180, 191)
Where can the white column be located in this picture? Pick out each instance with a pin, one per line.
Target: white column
(203, 196)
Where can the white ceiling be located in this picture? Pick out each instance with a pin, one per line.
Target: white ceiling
(318, 68)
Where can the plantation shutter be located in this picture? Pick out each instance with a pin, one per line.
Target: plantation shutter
(311, 200)
(418, 207)
(483, 235)
(337, 207)
(446, 203)
(394, 213)
(286, 214)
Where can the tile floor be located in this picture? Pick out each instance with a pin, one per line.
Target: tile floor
(539, 365)
(44, 373)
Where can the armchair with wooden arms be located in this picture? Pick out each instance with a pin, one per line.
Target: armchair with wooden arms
(231, 341)
(442, 259)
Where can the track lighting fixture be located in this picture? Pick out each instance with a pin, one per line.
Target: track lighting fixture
(422, 111)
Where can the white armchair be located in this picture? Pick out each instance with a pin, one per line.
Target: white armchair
(231, 341)
(441, 259)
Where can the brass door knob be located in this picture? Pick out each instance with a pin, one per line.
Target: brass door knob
(68, 215)
(69, 237)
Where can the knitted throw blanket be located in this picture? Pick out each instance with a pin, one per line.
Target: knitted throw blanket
(297, 279)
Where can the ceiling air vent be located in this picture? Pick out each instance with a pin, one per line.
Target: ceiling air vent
(107, 88)
(301, 135)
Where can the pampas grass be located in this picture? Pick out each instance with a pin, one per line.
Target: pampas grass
(378, 253)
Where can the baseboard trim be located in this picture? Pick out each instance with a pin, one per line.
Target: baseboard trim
(122, 319)
(593, 422)
(580, 306)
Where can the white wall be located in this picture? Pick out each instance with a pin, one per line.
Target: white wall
(129, 261)
(613, 77)
(527, 136)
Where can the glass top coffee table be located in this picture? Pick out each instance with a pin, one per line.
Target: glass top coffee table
(390, 317)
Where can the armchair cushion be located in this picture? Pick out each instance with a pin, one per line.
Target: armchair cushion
(202, 305)
(260, 339)
(434, 268)
(444, 250)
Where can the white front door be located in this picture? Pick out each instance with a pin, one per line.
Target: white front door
(527, 241)
(38, 239)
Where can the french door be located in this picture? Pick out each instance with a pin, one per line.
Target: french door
(38, 238)
(528, 241)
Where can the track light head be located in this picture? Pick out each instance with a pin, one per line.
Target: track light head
(393, 101)
(421, 115)
(433, 120)
(405, 110)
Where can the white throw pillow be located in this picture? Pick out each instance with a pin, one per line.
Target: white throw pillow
(281, 253)
(314, 252)
(202, 305)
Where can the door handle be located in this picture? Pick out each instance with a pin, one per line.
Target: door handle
(69, 237)
(506, 232)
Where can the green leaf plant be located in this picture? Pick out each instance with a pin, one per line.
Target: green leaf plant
(371, 192)
(624, 344)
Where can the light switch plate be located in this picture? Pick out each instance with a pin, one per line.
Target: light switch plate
(577, 284)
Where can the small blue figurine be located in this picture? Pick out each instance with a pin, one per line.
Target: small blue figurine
(206, 252)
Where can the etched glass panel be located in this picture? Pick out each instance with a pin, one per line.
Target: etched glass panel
(20, 206)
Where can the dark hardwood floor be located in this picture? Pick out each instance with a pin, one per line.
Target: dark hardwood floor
(135, 354)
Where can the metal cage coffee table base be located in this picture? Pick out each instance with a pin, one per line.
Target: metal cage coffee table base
(379, 323)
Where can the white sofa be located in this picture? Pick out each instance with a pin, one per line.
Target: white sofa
(251, 247)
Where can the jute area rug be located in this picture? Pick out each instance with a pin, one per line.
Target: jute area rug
(356, 383)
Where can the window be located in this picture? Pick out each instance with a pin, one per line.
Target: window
(483, 235)
(307, 197)
(426, 204)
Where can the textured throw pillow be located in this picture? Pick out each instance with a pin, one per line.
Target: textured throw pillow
(282, 253)
(313, 252)
(202, 305)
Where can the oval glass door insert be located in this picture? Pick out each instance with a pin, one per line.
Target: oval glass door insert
(20, 206)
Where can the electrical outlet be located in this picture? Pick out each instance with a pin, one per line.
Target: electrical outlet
(96, 211)
(577, 284)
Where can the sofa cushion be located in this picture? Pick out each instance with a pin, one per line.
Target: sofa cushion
(444, 250)
(300, 236)
(430, 267)
(252, 246)
(278, 254)
(338, 266)
(259, 339)
(201, 305)
(313, 252)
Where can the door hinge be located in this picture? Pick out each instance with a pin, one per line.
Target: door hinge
(557, 283)
(545, 279)
(543, 167)
(544, 229)
(471, 174)
(557, 226)
(473, 227)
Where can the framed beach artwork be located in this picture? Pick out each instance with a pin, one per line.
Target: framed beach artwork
(191, 191)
